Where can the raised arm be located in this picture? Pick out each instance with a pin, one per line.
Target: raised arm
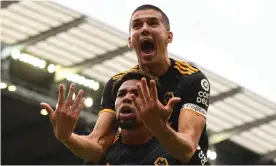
(182, 143)
(194, 94)
(92, 147)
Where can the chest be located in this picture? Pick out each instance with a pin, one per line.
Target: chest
(150, 154)
(170, 88)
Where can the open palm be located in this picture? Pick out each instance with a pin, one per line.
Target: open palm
(66, 115)
(153, 113)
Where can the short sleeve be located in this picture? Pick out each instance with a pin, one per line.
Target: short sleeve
(195, 93)
(108, 102)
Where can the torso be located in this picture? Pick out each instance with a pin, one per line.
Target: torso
(145, 154)
(170, 83)
(150, 153)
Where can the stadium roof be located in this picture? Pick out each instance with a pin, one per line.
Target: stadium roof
(83, 45)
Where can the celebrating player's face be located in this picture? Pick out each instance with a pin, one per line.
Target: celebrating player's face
(124, 106)
(148, 36)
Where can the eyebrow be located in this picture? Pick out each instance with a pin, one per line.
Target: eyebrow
(124, 90)
(149, 18)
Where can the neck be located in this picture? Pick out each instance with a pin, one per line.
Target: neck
(157, 69)
(139, 135)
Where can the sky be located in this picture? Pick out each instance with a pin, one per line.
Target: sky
(235, 39)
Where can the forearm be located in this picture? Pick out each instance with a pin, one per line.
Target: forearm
(85, 148)
(180, 145)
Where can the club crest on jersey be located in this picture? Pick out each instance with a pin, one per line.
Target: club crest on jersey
(161, 161)
(167, 97)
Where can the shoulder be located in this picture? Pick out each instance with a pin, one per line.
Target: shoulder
(120, 74)
(188, 72)
(185, 68)
(115, 77)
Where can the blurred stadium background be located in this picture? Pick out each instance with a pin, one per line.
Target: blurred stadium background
(38, 53)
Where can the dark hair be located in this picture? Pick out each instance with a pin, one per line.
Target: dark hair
(133, 75)
(146, 7)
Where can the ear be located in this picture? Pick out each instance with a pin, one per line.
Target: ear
(170, 37)
(129, 42)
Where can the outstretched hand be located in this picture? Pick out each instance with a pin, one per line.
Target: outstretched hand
(66, 115)
(153, 113)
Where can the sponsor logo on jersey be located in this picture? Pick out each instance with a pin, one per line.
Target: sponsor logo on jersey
(203, 158)
(197, 109)
(205, 84)
(161, 161)
(203, 98)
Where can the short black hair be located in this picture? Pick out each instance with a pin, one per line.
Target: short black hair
(165, 18)
(133, 75)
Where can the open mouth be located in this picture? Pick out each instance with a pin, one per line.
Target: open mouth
(126, 113)
(126, 110)
(147, 46)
